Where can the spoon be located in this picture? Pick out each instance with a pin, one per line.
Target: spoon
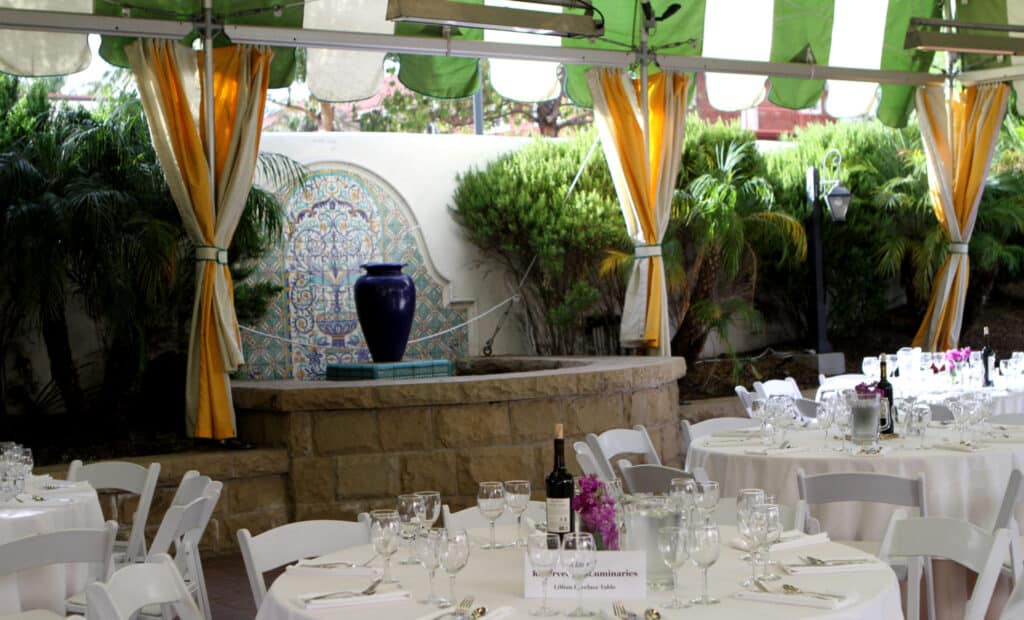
(791, 589)
(478, 612)
(652, 614)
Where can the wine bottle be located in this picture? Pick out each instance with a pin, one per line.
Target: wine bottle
(988, 357)
(883, 384)
(559, 489)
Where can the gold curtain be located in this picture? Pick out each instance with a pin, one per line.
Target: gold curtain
(959, 133)
(169, 78)
(644, 169)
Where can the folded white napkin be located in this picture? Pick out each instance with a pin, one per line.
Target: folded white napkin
(958, 447)
(500, 613)
(857, 565)
(801, 600)
(320, 566)
(790, 539)
(728, 442)
(773, 451)
(1004, 439)
(32, 499)
(744, 433)
(351, 601)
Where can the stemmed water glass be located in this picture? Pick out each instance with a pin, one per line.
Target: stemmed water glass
(428, 551)
(490, 500)
(704, 543)
(517, 499)
(579, 557)
(767, 517)
(543, 549)
(453, 556)
(921, 417)
(408, 514)
(827, 412)
(842, 419)
(674, 552)
(759, 411)
(706, 497)
(959, 406)
(682, 491)
(780, 411)
(385, 533)
(430, 509)
(746, 499)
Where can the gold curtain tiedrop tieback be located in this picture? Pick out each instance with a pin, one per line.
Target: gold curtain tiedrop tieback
(958, 248)
(212, 253)
(646, 250)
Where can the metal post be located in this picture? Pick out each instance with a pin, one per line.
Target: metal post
(478, 111)
(821, 312)
(644, 78)
(211, 140)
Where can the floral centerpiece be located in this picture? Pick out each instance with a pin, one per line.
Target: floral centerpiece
(596, 508)
(956, 359)
(869, 388)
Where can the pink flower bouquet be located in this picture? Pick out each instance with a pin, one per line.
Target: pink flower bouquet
(596, 507)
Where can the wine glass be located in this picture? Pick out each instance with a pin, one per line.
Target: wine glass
(24, 464)
(706, 497)
(428, 551)
(870, 366)
(901, 411)
(842, 419)
(517, 499)
(780, 410)
(921, 417)
(543, 549)
(408, 514)
(746, 499)
(827, 412)
(454, 555)
(385, 529)
(672, 545)
(704, 544)
(579, 557)
(769, 514)
(430, 510)
(759, 411)
(490, 500)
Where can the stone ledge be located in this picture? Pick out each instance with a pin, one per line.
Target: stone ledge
(591, 375)
(219, 465)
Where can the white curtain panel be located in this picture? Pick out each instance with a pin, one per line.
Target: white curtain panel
(340, 75)
(24, 52)
(524, 80)
(858, 32)
(739, 30)
(1015, 15)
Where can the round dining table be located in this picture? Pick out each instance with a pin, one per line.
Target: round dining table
(962, 482)
(495, 580)
(46, 506)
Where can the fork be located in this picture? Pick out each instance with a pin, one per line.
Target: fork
(370, 589)
(620, 611)
(463, 608)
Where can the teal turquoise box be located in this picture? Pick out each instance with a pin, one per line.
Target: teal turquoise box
(419, 369)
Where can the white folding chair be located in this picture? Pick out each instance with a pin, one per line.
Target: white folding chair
(745, 398)
(93, 546)
(690, 432)
(868, 487)
(841, 382)
(191, 487)
(468, 518)
(587, 462)
(940, 412)
(612, 443)
(139, 586)
(1008, 419)
(777, 387)
(38, 614)
(917, 540)
(655, 478)
(295, 541)
(1004, 519)
(129, 477)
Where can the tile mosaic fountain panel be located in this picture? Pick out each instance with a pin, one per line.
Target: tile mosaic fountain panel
(341, 217)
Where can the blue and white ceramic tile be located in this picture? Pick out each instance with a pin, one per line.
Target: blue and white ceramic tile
(341, 217)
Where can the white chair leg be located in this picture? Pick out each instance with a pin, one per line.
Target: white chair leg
(202, 597)
(914, 588)
(929, 585)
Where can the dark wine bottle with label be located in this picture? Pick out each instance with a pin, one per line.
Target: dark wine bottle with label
(559, 489)
(988, 357)
(887, 427)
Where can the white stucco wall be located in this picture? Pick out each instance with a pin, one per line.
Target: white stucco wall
(422, 170)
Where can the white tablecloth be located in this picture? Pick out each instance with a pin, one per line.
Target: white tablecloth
(1007, 396)
(46, 587)
(495, 578)
(962, 485)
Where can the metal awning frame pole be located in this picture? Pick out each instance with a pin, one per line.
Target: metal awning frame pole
(211, 138)
(83, 23)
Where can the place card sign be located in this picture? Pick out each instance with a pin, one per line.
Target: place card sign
(618, 574)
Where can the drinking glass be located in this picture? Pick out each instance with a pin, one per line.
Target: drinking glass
(827, 412)
(543, 549)
(672, 545)
(759, 411)
(22, 468)
(959, 406)
(842, 420)
(769, 514)
(579, 557)
(490, 500)
(704, 543)
(921, 417)
(517, 499)
(430, 509)
(901, 412)
(706, 497)
(385, 533)
(781, 410)
(746, 499)
(453, 556)
(870, 366)
(428, 551)
(408, 514)
(681, 491)
(865, 415)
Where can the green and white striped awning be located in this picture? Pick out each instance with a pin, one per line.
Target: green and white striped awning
(796, 42)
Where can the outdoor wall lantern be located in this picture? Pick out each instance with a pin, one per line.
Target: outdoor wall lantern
(836, 197)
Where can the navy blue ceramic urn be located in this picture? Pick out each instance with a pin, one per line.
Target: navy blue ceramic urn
(385, 301)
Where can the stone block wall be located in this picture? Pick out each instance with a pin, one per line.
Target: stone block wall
(255, 494)
(354, 446)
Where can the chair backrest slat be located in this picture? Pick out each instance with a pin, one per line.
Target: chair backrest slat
(585, 459)
(655, 478)
(60, 547)
(691, 432)
(864, 487)
(295, 541)
(124, 476)
(135, 586)
(616, 441)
